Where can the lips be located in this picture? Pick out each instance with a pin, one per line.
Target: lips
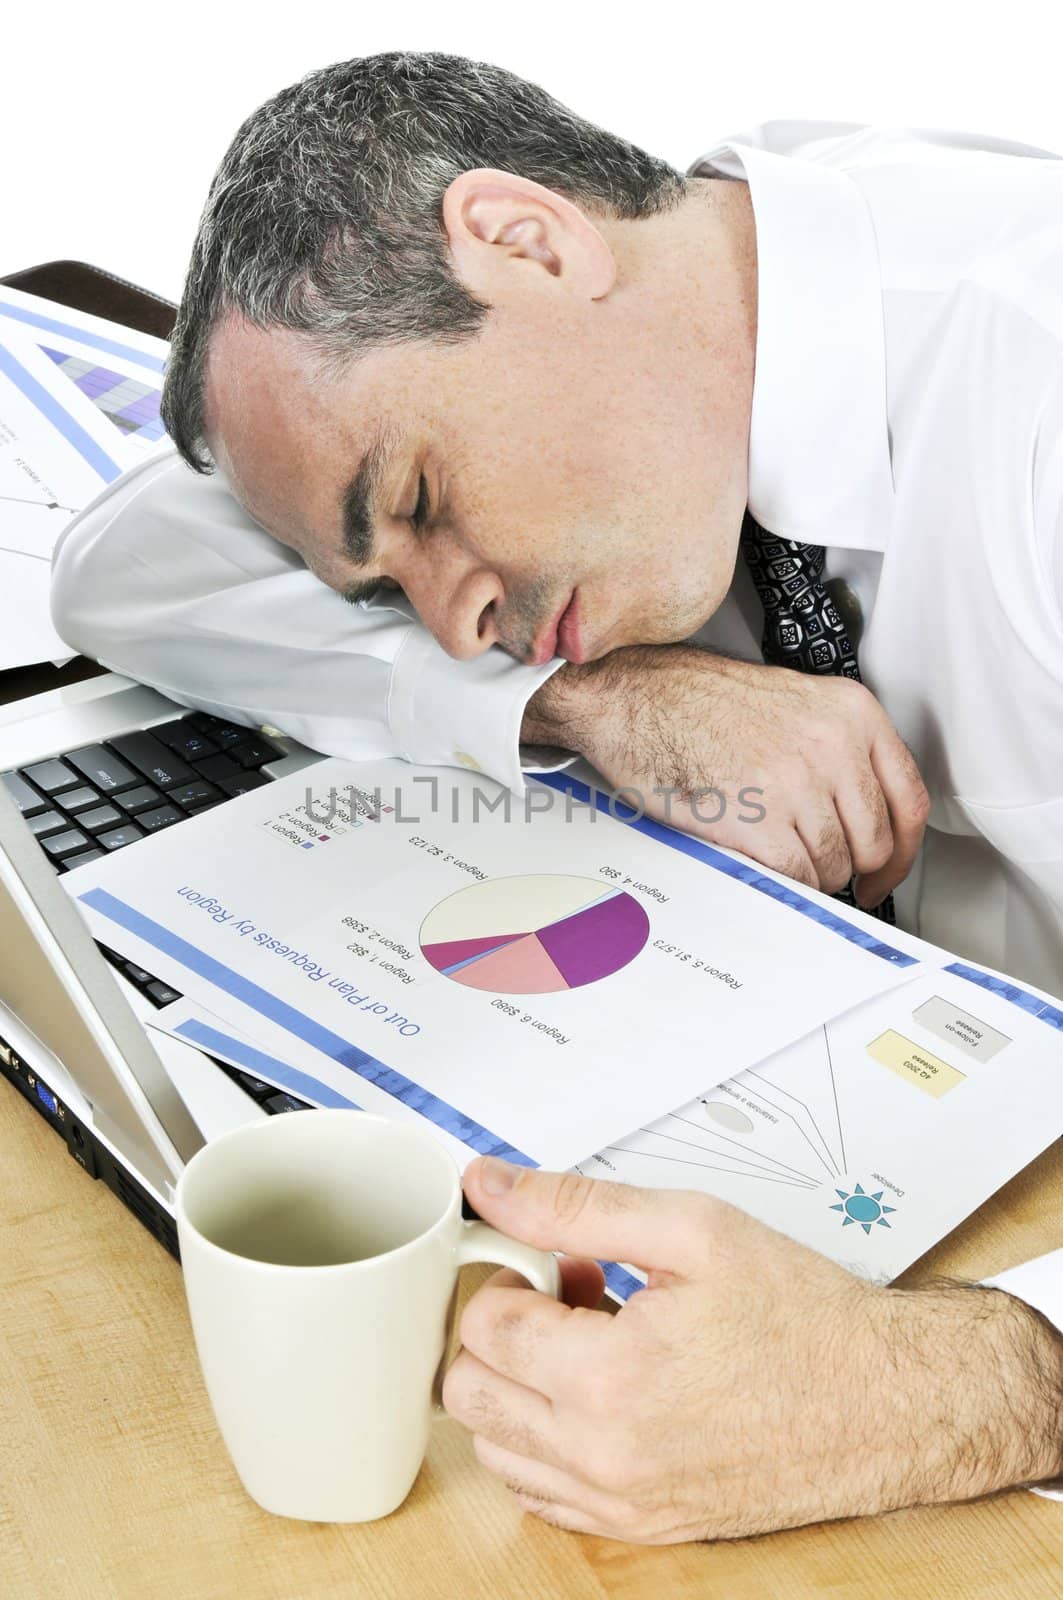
(568, 639)
(561, 637)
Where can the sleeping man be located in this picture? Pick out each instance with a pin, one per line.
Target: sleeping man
(750, 476)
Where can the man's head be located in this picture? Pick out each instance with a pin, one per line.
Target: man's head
(440, 333)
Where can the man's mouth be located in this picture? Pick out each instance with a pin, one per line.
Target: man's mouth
(561, 637)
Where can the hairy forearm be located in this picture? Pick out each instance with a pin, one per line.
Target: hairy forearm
(985, 1409)
(619, 706)
(560, 712)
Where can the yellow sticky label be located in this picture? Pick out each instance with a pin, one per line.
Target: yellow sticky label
(912, 1062)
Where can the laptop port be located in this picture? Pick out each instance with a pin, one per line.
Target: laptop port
(47, 1098)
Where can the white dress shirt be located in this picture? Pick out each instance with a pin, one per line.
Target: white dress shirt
(907, 414)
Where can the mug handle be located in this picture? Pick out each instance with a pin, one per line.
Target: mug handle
(479, 1242)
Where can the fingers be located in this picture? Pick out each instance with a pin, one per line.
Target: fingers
(872, 825)
(548, 1491)
(787, 854)
(655, 1229)
(782, 849)
(823, 837)
(532, 1339)
(497, 1409)
(582, 1282)
(864, 814)
(560, 1516)
(909, 808)
(558, 1496)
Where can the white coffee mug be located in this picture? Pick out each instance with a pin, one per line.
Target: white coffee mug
(320, 1253)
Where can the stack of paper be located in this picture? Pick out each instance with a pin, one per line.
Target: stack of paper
(539, 980)
(79, 405)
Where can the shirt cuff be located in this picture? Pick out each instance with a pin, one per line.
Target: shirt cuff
(1040, 1284)
(468, 714)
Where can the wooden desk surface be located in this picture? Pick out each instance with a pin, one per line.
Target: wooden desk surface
(115, 1485)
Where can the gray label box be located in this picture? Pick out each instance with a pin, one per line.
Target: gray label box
(969, 1034)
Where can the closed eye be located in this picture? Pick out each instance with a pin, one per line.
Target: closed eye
(418, 520)
(357, 592)
(420, 510)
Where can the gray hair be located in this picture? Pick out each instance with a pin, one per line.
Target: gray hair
(325, 215)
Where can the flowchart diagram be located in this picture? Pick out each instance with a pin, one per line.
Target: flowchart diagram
(877, 1133)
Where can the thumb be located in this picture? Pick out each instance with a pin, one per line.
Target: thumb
(658, 1229)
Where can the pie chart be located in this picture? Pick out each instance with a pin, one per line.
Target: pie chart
(534, 934)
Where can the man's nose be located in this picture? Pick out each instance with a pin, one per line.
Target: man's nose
(460, 609)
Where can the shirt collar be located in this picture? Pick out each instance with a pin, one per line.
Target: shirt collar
(819, 453)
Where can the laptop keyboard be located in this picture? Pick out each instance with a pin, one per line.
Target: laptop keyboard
(104, 797)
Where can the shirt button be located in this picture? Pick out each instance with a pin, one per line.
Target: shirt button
(848, 608)
(467, 760)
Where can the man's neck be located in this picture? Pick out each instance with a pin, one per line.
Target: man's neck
(695, 268)
(701, 256)
(715, 250)
(732, 234)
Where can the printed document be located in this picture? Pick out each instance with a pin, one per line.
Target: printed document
(880, 1131)
(868, 1140)
(532, 975)
(79, 404)
(538, 981)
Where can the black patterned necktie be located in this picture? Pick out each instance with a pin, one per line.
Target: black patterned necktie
(802, 628)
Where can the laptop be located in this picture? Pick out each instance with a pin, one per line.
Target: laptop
(88, 769)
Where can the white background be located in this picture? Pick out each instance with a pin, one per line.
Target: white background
(113, 117)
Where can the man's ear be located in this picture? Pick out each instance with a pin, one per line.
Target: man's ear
(503, 229)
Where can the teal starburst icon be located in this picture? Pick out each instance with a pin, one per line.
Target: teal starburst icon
(862, 1208)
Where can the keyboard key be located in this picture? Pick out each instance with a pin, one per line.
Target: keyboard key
(101, 767)
(51, 777)
(80, 860)
(141, 799)
(26, 798)
(152, 759)
(285, 1102)
(61, 845)
(254, 752)
(224, 734)
(75, 800)
(161, 993)
(119, 837)
(215, 768)
(103, 817)
(136, 974)
(152, 821)
(47, 822)
(243, 783)
(254, 1086)
(194, 795)
(185, 740)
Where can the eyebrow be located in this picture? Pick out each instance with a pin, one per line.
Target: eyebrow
(360, 500)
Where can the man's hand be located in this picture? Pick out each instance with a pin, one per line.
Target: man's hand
(752, 1385)
(804, 774)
